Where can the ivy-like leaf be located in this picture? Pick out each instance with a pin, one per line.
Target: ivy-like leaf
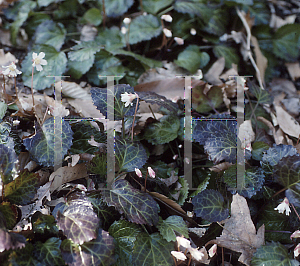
(275, 154)
(83, 131)
(130, 155)
(218, 137)
(116, 8)
(124, 234)
(253, 181)
(183, 191)
(96, 252)
(172, 224)
(152, 97)
(138, 207)
(261, 95)
(8, 160)
(163, 131)
(144, 28)
(50, 33)
(271, 254)
(78, 221)
(10, 214)
(218, 22)
(84, 51)
(3, 108)
(23, 257)
(49, 252)
(56, 66)
(152, 250)
(196, 7)
(93, 16)
(99, 97)
(22, 190)
(287, 173)
(209, 205)
(286, 42)
(42, 145)
(42, 223)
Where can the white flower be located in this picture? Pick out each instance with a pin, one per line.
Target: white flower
(151, 172)
(296, 250)
(178, 255)
(38, 61)
(196, 254)
(284, 206)
(167, 18)
(179, 41)
(138, 172)
(296, 234)
(127, 98)
(127, 20)
(167, 32)
(190, 214)
(175, 156)
(193, 31)
(11, 70)
(181, 241)
(123, 30)
(213, 250)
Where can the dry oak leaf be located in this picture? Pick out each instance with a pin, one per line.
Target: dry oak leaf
(239, 233)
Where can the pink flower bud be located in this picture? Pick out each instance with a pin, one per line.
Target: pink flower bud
(151, 172)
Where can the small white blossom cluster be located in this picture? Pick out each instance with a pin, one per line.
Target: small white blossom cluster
(283, 207)
(194, 252)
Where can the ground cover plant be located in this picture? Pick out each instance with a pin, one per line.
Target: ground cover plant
(57, 206)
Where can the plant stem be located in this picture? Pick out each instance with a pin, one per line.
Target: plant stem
(145, 181)
(4, 90)
(32, 86)
(16, 87)
(137, 103)
(123, 127)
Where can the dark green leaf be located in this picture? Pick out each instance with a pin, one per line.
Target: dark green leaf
(172, 224)
(153, 6)
(125, 234)
(42, 3)
(147, 62)
(78, 221)
(42, 145)
(258, 148)
(5, 130)
(8, 160)
(93, 16)
(83, 131)
(56, 66)
(218, 137)
(138, 207)
(273, 254)
(96, 252)
(190, 58)
(130, 155)
(84, 51)
(49, 252)
(229, 53)
(194, 7)
(99, 97)
(163, 131)
(286, 42)
(261, 95)
(22, 14)
(10, 214)
(184, 190)
(116, 8)
(144, 28)
(22, 190)
(152, 250)
(209, 205)
(42, 223)
(50, 33)
(23, 257)
(287, 174)
(218, 22)
(244, 2)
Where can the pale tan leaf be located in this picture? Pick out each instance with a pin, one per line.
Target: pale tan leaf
(294, 70)
(73, 90)
(287, 123)
(239, 233)
(261, 60)
(67, 174)
(213, 74)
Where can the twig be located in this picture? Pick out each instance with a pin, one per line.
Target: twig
(248, 46)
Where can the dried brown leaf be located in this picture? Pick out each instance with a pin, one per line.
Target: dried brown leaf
(239, 233)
